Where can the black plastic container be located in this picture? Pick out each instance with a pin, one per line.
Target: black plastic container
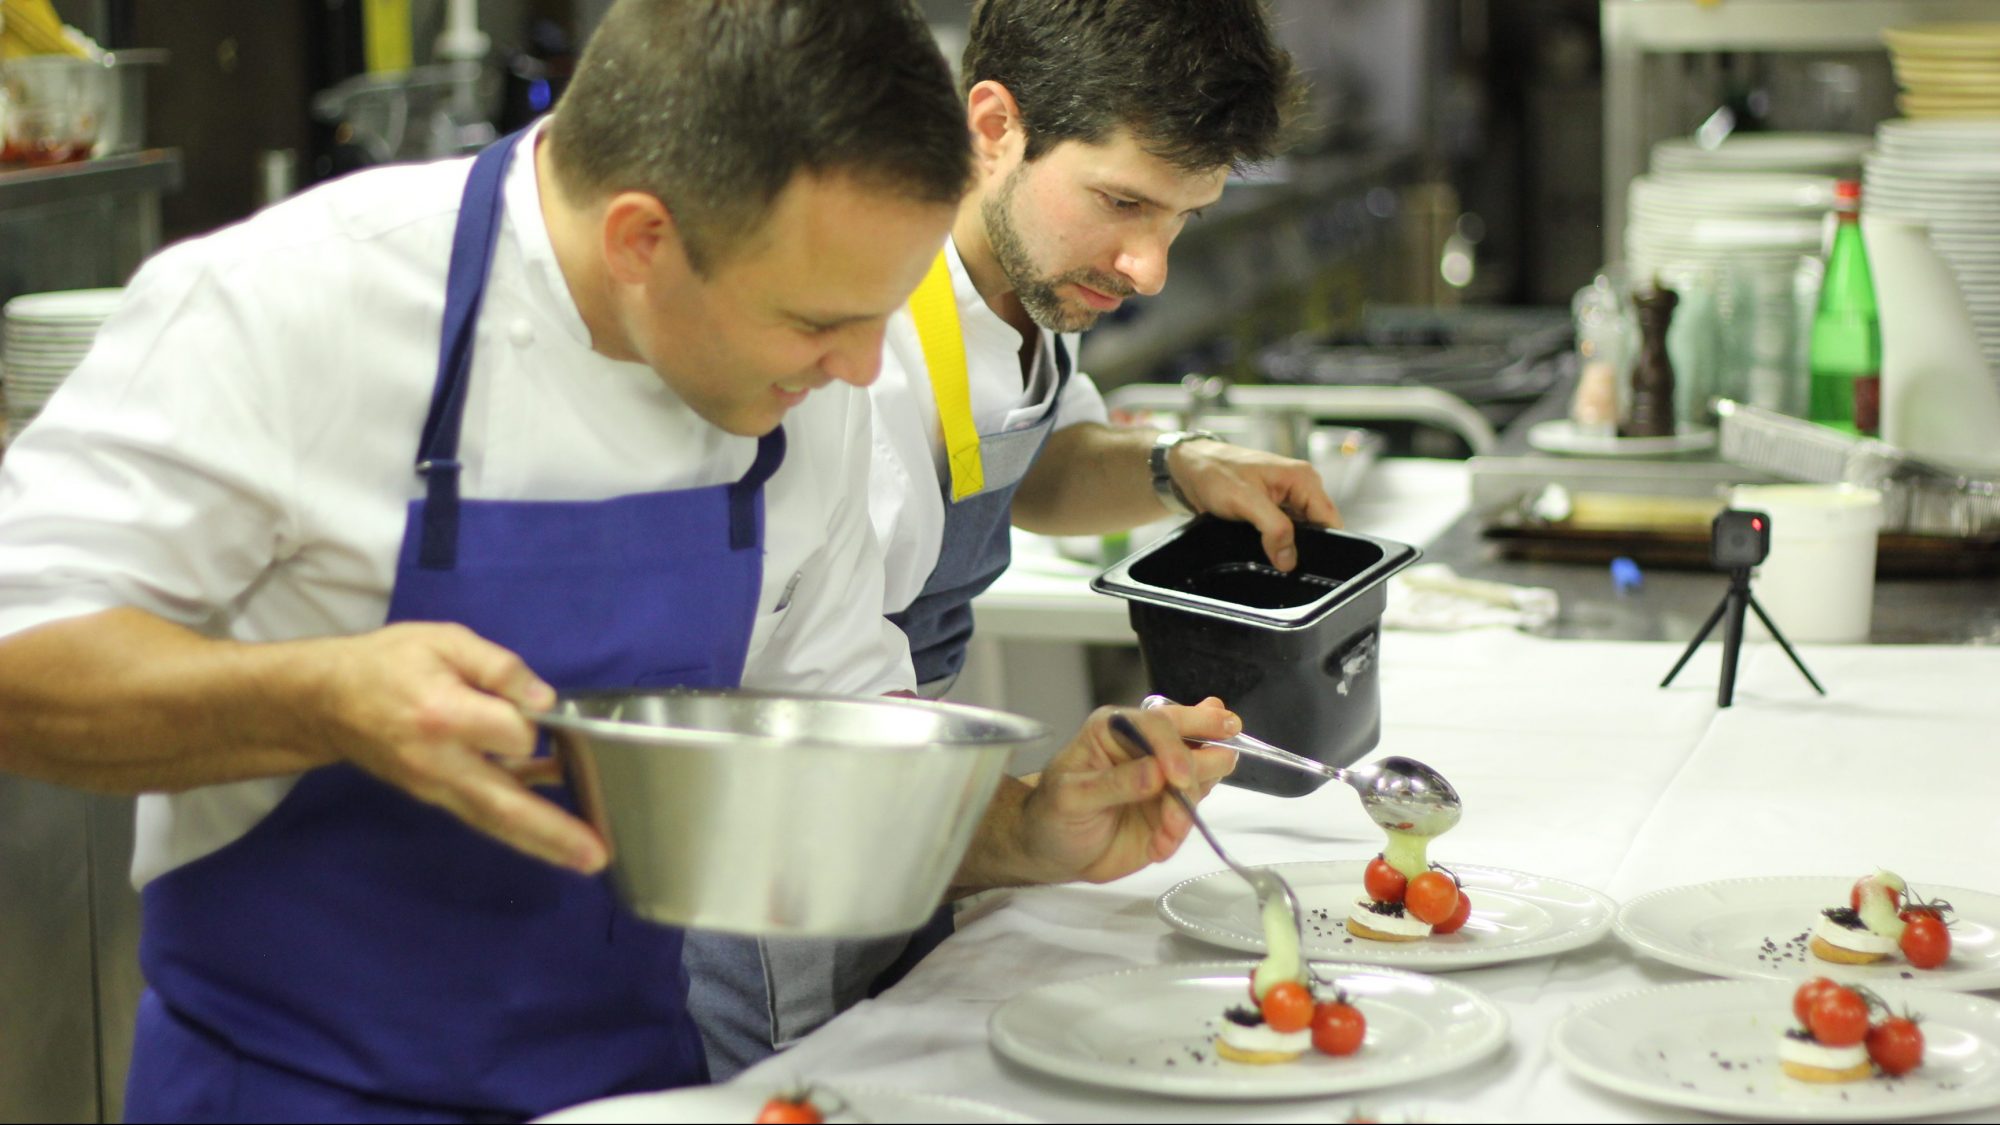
(1295, 654)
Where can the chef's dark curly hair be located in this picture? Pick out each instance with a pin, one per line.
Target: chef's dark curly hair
(714, 105)
(1199, 83)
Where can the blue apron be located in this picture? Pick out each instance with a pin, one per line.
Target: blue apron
(752, 996)
(360, 955)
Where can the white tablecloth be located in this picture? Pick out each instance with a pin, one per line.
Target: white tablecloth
(1571, 763)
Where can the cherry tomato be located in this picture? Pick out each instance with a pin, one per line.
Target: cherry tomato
(1432, 897)
(1838, 1017)
(1338, 1027)
(1897, 1046)
(1854, 894)
(1803, 998)
(1288, 1006)
(789, 1111)
(1383, 882)
(1925, 940)
(1452, 924)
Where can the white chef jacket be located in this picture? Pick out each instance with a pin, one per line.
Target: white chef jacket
(236, 452)
(905, 497)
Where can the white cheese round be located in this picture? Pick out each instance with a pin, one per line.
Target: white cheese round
(1408, 924)
(1262, 1038)
(1811, 1052)
(1860, 941)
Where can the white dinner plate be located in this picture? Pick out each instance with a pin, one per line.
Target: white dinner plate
(1753, 928)
(1515, 916)
(1560, 435)
(1152, 1030)
(741, 1101)
(1713, 1046)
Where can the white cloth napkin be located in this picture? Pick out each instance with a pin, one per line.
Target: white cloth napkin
(1434, 598)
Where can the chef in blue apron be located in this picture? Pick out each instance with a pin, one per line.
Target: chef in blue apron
(1089, 166)
(341, 491)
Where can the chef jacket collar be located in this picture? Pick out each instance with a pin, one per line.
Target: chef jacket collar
(523, 199)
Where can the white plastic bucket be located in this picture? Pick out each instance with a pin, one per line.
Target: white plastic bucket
(1818, 583)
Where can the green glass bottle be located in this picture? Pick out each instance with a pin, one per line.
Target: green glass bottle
(1845, 353)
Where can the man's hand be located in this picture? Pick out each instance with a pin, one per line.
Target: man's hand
(1097, 813)
(1259, 488)
(438, 712)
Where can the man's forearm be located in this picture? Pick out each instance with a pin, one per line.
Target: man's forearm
(1090, 479)
(124, 701)
(997, 857)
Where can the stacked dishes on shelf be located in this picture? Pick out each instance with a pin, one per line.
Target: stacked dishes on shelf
(1737, 230)
(43, 337)
(1946, 70)
(1945, 174)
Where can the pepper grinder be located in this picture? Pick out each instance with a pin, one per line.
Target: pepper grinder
(1652, 413)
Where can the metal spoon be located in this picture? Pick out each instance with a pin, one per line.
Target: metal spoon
(1397, 793)
(1263, 881)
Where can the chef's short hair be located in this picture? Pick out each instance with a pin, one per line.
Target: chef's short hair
(713, 106)
(1199, 83)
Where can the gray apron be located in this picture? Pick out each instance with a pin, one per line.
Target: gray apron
(753, 996)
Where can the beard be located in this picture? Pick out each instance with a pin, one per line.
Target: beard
(1039, 293)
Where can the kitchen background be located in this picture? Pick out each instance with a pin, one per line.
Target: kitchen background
(1437, 261)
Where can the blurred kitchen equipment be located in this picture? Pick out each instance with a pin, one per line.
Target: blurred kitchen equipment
(124, 128)
(55, 110)
(1264, 882)
(1499, 361)
(1295, 654)
(767, 813)
(1343, 457)
(1380, 407)
(1939, 401)
(1918, 498)
(1396, 792)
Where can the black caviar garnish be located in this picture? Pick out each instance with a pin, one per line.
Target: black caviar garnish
(1843, 916)
(1244, 1017)
(1386, 909)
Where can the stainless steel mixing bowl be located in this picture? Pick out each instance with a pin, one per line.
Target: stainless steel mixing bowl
(768, 813)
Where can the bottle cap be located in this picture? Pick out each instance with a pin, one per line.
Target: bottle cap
(1847, 195)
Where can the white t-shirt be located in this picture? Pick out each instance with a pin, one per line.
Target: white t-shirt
(905, 497)
(235, 454)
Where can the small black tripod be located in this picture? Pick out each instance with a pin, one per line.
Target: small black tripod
(1732, 603)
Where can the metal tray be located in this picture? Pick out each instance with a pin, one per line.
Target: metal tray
(1918, 498)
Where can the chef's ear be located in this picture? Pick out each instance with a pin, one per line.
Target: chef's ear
(999, 132)
(640, 236)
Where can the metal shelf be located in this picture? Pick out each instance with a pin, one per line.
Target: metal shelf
(152, 170)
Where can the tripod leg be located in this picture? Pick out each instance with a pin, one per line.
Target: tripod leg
(1732, 644)
(1706, 627)
(1785, 644)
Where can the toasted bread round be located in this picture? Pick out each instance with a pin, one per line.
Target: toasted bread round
(1805, 1073)
(1361, 931)
(1841, 955)
(1254, 1058)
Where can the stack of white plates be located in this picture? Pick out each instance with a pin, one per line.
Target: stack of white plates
(1742, 219)
(1817, 154)
(1945, 173)
(43, 337)
(1947, 69)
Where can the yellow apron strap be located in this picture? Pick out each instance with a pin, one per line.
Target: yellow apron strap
(935, 309)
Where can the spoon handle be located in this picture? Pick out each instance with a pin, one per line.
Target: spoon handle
(1251, 747)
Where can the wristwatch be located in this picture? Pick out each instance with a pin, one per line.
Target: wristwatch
(1164, 487)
